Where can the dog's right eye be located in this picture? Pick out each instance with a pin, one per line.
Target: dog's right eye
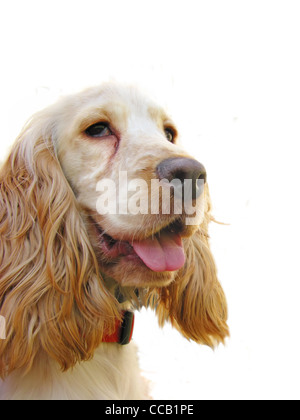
(99, 130)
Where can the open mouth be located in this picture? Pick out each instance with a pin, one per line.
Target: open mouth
(160, 252)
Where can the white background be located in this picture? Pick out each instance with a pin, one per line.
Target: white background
(229, 72)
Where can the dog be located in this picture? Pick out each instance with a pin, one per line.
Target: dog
(75, 263)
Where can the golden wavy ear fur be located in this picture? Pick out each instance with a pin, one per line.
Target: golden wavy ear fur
(51, 293)
(195, 303)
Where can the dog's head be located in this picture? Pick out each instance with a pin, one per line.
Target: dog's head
(119, 152)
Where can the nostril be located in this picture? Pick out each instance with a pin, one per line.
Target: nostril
(183, 169)
(202, 175)
(180, 174)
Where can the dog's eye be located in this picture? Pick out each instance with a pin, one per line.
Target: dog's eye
(99, 130)
(170, 134)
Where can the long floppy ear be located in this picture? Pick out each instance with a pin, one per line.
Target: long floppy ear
(51, 293)
(195, 302)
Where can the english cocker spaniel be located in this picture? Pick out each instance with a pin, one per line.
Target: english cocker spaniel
(101, 212)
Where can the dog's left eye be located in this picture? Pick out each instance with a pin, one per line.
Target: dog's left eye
(99, 130)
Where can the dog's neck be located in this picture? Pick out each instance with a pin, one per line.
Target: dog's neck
(129, 298)
(124, 328)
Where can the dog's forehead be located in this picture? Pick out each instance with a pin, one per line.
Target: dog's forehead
(126, 100)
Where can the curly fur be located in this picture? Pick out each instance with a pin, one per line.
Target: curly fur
(57, 294)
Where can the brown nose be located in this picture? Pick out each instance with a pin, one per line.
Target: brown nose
(183, 169)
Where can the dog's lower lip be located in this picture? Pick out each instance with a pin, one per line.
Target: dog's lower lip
(113, 248)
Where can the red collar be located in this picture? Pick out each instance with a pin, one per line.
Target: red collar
(123, 330)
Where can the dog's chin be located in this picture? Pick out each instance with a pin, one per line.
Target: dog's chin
(132, 272)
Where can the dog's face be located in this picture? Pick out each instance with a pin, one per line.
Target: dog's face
(116, 134)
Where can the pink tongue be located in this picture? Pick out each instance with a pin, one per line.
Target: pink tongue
(161, 254)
